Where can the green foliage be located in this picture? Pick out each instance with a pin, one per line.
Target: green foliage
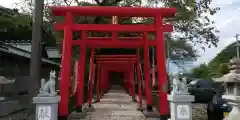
(226, 54)
(182, 50)
(201, 72)
(15, 28)
(192, 20)
(19, 27)
(218, 66)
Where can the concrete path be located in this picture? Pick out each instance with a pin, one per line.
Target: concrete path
(116, 105)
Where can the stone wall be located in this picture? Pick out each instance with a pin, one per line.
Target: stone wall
(16, 94)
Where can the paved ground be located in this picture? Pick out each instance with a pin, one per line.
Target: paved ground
(116, 105)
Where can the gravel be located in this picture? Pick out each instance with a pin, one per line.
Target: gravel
(22, 115)
(199, 111)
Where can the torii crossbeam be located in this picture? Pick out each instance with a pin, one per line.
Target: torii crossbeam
(114, 42)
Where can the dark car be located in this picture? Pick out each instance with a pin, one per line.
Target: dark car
(202, 90)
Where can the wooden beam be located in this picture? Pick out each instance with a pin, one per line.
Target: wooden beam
(115, 27)
(113, 11)
(112, 44)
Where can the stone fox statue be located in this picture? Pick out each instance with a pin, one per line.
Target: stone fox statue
(48, 88)
(179, 85)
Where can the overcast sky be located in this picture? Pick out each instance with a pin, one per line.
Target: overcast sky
(227, 21)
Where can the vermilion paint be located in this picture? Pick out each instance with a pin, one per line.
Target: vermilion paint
(114, 42)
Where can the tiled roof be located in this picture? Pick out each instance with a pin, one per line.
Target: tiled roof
(24, 52)
(53, 53)
(21, 44)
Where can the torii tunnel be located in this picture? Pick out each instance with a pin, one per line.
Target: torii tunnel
(128, 64)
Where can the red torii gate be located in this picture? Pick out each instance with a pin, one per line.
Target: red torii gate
(106, 66)
(107, 61)
(119, 62)
(128, 75)
(69, 26)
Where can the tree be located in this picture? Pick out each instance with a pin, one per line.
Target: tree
(201, 72)
(191, 23)
(17, 26)
(218, 66)
(192, 20)
(180, 52)
(180, 46)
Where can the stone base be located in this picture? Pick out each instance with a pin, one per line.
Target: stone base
(77, 115)
(134, 99)
(47, 103)
(180, 98)
(178, 102)
(152, 114)
(46, 100)
(140, 109)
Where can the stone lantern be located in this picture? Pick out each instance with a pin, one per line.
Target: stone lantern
(232, 86)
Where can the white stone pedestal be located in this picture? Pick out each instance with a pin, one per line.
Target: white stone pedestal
(180, 106)
(46, 107)
(235, 102)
